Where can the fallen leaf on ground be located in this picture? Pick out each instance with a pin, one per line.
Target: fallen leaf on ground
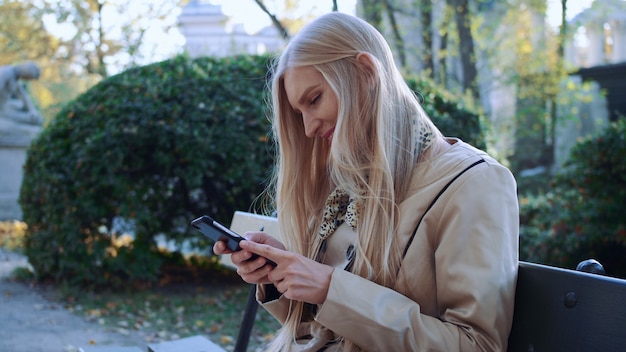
(226, 340)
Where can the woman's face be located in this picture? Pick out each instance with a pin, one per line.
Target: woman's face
(310, 96)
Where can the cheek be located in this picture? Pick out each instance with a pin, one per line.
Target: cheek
(332, 111)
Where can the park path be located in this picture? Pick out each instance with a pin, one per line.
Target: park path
(29, 322)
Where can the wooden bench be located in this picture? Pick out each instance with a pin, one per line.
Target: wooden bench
(555, 309)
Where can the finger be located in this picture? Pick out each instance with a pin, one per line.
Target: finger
(255, 236)
(220, 248)
(263, 238)
(256, 276)
(264, 250)
(240, 257)
(282, 287)
(252, 265)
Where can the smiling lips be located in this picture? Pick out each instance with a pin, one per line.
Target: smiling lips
(329, 135)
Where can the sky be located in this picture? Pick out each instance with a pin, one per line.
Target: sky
(574, 7)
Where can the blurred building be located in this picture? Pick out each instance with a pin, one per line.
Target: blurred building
(209, 32)
(599, 50)
(600, 35)
(597, 54)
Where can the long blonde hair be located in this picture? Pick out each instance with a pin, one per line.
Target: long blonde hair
(372, 157)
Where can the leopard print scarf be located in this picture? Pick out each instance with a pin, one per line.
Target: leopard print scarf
(340, 207)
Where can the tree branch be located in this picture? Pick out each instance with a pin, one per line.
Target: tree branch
(275, 21)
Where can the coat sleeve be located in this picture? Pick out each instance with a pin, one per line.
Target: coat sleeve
(271, 300)
(475, 259)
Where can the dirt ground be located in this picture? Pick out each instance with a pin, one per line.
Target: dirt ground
(31, 322)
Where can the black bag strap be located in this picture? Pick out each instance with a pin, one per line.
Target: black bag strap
(406, 249)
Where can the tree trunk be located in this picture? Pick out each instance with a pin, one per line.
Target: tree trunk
(101, 67)
(373, 13)
(466, 43)
(441, 71)
(559, 69)
(426, 12)
(397, 37)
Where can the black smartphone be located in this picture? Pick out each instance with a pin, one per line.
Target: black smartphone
(217, 232)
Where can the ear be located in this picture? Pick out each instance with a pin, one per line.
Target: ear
(367, 63)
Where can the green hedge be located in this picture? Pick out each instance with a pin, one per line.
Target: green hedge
(582, 216)
(451, 113)
(158, 146)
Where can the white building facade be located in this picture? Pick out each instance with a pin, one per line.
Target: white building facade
(209, 32)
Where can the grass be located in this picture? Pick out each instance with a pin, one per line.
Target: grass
(175, 311)
(180, 305)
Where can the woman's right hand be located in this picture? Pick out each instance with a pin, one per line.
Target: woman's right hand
(251, 271)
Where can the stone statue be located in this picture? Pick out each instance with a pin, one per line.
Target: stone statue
(18, 114)
(20, 123)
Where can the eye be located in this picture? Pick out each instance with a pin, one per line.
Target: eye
(316, 99)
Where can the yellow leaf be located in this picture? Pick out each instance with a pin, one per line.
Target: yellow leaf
(94, 313)
(571, 85)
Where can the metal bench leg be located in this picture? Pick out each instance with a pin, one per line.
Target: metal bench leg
(248, 321)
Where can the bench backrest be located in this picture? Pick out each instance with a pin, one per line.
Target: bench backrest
(243, 221)
(565, 310)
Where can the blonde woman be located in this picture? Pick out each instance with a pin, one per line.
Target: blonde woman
(394, 238)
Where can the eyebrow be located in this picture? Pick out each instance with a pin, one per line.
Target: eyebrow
(305, 93)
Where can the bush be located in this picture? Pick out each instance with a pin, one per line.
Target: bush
(450, 113)
(583, 216)
(155, 146)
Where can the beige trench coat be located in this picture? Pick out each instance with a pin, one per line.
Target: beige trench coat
(455, 290)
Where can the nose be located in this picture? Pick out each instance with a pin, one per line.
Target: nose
(311, 125)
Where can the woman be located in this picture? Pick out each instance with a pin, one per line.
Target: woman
(368, 264)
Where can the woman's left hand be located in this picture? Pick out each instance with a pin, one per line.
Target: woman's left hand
(295, 276)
